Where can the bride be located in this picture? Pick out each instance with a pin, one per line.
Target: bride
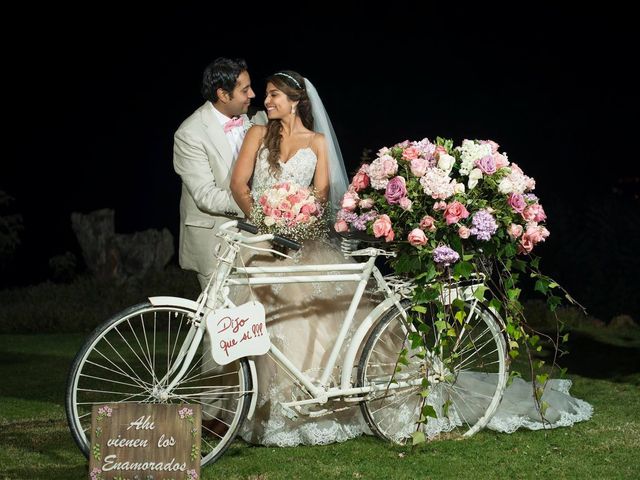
(302, 318)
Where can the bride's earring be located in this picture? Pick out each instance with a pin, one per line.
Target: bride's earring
(293, 109)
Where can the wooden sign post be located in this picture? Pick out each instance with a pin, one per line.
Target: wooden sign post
(145, 441)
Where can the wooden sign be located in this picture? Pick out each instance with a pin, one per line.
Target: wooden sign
(145, 441)
(238, 332)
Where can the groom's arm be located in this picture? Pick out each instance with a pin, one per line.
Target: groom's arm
(190, 161)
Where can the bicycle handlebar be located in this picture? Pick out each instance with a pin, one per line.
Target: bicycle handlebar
(248, 227)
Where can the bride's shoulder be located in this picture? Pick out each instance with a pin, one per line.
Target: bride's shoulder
(318, 143)
(257, 130)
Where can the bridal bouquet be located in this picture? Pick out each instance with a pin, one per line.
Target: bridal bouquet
(289, 210)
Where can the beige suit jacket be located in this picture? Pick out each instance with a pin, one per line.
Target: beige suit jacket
(203, 159)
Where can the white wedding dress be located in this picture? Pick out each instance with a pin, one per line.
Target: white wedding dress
(303, 321)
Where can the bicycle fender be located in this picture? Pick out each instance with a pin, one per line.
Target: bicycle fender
(177, 301)
(254, 388)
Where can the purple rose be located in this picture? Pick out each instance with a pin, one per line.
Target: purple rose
(517, 202)
(487, 165)
(396, 190)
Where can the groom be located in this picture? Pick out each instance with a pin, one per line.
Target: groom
(205, 148)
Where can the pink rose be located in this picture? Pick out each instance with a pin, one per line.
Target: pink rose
(417, 237)
(534, 212)
(525, 245)
(350, 201)
(405, 204)
(514, 230)
(501, 160)
(389, 165)
(410, 153)
(419, 166)
(464, 232)
(536, 233)
(494, 145)
(360, 181)
(454, 212)
(517, 202)
(284, 206)
(308, 209)
(439, 149)
(440, 205)
(428, 223)
(396, 189)
(382, 228)
(366, 203)
(341, 226)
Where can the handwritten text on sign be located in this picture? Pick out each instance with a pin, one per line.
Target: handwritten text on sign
(136, 440)
(238, 332)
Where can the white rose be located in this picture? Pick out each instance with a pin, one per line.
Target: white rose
(445, 162)
(505, 186)
(459, 188)
(269, 221)
(474, 176)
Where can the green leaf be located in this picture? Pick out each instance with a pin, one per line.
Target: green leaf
(541, 379)
(429, 411)
(419, 309)
(479, 292)
(513, 293)
(541, 286)
(520, 265)
(418, 438)
(553, 302)
(440, 325)
(464, 269)
(424, 328)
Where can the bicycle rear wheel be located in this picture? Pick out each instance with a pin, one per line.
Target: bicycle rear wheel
(126, 359)
(466, 376)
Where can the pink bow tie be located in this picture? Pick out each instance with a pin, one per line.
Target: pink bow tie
(233, 123)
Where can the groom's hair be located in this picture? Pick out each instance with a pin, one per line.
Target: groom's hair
(221, 73)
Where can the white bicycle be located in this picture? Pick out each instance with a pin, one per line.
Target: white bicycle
(153, 352)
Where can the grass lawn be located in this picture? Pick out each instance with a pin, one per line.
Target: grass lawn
(35, 442)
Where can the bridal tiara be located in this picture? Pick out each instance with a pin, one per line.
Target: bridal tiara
(282, 74)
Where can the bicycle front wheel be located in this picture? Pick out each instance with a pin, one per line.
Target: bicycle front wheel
(465, 375)
(133, 356)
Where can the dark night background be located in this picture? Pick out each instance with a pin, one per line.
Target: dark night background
(96, 97)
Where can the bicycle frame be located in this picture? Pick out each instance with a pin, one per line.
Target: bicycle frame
(216, 296)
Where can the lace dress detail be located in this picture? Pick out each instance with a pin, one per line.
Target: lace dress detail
(298, 169)
(303, 321)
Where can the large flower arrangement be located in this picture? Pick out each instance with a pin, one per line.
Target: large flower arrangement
(290, 210)
(452, 213)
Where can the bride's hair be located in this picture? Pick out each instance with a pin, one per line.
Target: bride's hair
(292, 85)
